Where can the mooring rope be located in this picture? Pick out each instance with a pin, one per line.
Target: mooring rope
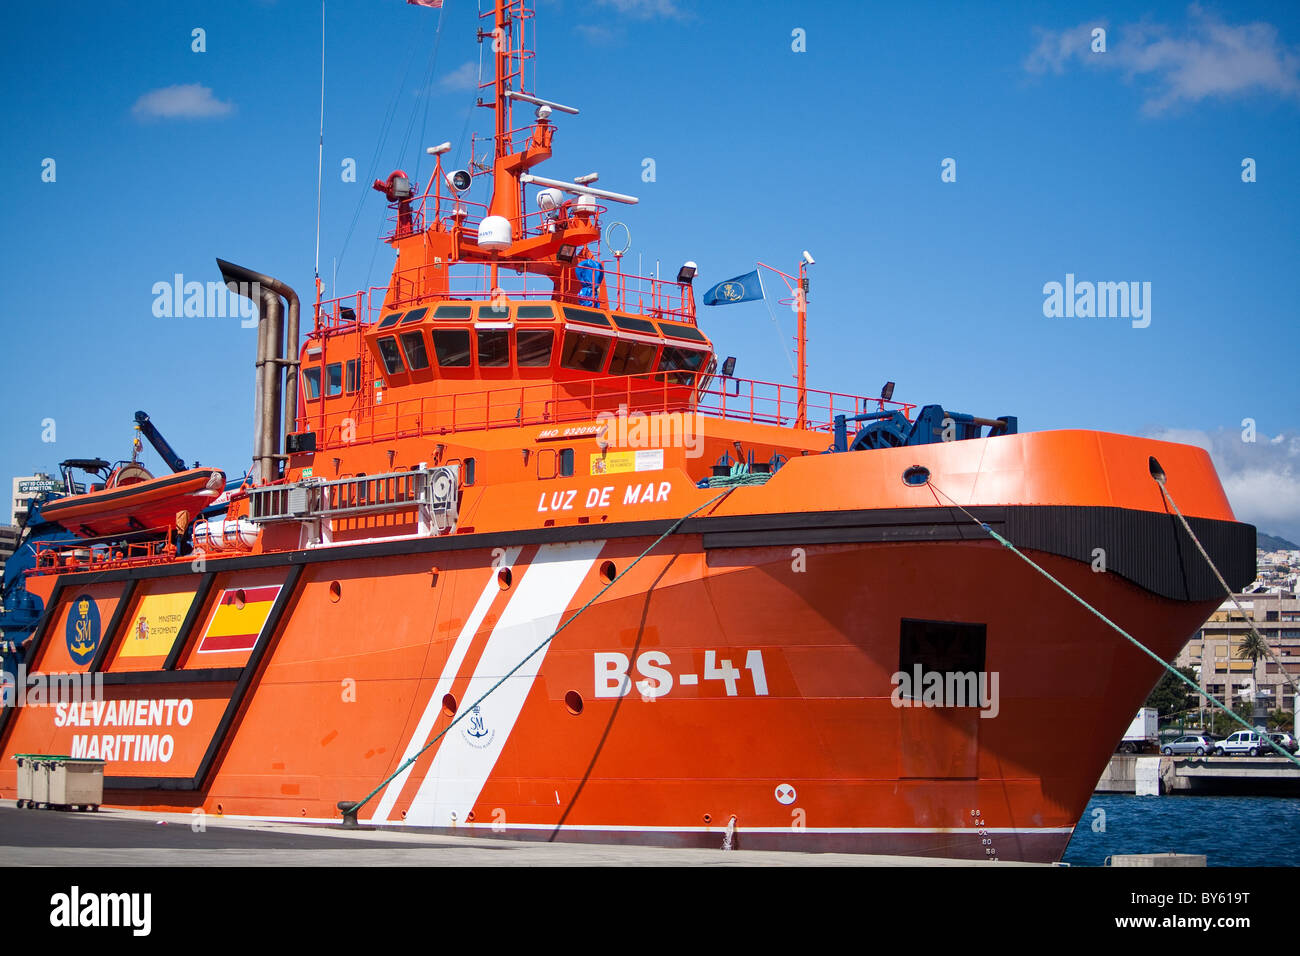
(1232, 597)
(1119, 630)
(464, 711)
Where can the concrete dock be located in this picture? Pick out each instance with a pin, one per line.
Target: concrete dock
(1206, 776)
(134, 838)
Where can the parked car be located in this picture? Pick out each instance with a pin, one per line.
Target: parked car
(1283, 740)
(1199, 744)
(1242, 742)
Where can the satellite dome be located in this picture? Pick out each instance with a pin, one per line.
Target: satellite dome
(494, 234)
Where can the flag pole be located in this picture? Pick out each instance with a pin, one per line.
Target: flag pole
(799, 287)
(801, 297)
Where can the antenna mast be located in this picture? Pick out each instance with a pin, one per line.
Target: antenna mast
(320, 151)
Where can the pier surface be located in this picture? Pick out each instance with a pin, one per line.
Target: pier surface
(1207, 776)
(135, 838)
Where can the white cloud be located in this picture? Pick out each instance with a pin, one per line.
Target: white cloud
(1261, 478)
(645, 9)
(1205, 58)
(464, 77)
(183, 101)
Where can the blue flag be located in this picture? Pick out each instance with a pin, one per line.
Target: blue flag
(740, 289)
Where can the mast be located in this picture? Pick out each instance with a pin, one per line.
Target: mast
(510, 56)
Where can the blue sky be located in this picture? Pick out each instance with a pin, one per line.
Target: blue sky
(1117, 166)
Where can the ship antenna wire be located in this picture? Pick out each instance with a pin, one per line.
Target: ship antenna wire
(1119, 630)
(350, 809)
(320, 150)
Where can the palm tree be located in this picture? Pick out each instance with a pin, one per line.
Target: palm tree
(1253, 646)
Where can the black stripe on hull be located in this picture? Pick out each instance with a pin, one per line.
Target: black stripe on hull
(1147, 548)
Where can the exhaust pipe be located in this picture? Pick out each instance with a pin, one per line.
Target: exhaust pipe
(277, 350)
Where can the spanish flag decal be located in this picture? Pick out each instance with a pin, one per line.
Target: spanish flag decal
(241, 613)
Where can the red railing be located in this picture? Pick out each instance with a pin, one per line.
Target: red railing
(88, 554)
(558, 403)
(640, 295)
(644, 295)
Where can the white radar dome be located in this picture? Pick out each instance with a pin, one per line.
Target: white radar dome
(548, 199)
(494, 234)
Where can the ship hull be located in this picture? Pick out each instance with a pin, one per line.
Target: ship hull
(722, 690)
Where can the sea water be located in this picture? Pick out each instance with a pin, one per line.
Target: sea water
(1230, 831)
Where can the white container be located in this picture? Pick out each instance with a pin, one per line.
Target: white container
(75, 783)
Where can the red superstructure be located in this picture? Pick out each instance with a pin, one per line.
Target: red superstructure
(503, 442)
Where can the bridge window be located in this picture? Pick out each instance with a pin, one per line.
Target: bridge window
(311, 381)
(583, 352)
(391, 356)
(534, 345)
(496, 312)
(493, 347)
(684, 361)
(632, 358)
(415, 315)
(452, 347)
(634, 324)
(682, 331)
(352, 377)
(390, 319)
(586, 316)
(566, 463)
(451, 312)
(413, 345)
(534, 312)
(334, 379)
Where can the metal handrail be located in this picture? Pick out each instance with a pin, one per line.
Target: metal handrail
(561, 402)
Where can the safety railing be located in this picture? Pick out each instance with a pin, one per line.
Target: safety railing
(624, 292)
(558, 403)
(150, 546)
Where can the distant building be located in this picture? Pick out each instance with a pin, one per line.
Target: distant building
(1213, 651)
(25, 489)
(8, 543)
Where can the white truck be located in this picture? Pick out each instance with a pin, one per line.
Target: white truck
(1143, 734)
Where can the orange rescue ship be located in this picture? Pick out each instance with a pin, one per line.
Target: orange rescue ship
(502, 444)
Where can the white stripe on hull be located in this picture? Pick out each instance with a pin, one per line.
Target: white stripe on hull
(450, 670)
(467, 755)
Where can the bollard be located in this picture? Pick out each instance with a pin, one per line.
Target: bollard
(349, 809)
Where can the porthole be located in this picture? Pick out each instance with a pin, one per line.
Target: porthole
(608, 572)
(240, 599)
(449, 705)
(336, 592)
(916, 476)
(505, 579)
(573, 702)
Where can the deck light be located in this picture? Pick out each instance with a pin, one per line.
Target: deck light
(887, 392)
(687, 272)
(458, 180)
(567, 251)
(729, 366)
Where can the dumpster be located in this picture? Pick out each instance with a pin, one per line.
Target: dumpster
(75, 783)
(33, 779)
